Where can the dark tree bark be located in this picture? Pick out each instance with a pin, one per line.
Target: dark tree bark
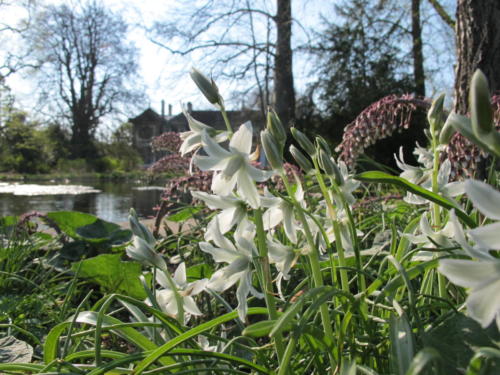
(418, 56)
(283, 76)
(478, 46)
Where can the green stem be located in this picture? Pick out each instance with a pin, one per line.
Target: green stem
(290, 348)
(264, 269)
(313, 260)
(442, 292)
(344, 280)
(226, 120)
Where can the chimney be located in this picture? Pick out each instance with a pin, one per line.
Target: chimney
(163, 108)
(170, 109)
(190, 107)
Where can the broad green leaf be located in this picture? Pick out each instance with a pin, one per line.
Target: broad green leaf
(79, 225)
(382, 177)
(259, 329)
(183, 215)
(402, 344)
(113, 274)
(457, 339)
(199, 271)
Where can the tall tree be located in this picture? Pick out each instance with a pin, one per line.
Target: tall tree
(417, 49)
(283, 74)
(85, 64)
(478, 46)
(240, 40)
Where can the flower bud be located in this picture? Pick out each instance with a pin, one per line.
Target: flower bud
(301, 159)
(275, 126)
(144, 253)
(446, 132)
(480, 105)
(271, 149)
(303, 141)
(207, 87)
(330, 168)
(435, 114)
(139, 229)
(321, 142)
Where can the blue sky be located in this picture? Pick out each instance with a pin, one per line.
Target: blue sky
(166, 76)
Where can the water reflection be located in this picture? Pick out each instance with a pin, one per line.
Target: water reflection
(112, 203)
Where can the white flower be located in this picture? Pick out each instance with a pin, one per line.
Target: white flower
(487, 201)
(430, 239)
(239, 257)
(423, 176)
(284, 257)
(282, 211)
(192, 138)
(347, 186)
(482, 276)
(166, 296)
(233, 166)
(233, 210)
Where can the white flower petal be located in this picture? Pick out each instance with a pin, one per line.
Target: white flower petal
(180, 275)
(444, 173)
(488, 236)
(208, 163)
(215, 201)
(468, 273)
(242, 293)
(453, 189)
(190, 306)
(221, 280)
(258, 175)
(483, 304)
(229, 217)
(242, 138)
(220, 255)
(212, 148)
(223, 185)
(214, 233)
(485, 198)
(272, 217)
(197, 287)
(247, 189)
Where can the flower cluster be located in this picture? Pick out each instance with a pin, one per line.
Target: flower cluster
(378, 121)
(168, 141)
(173, 163)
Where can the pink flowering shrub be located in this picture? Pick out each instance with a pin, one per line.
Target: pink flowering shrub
(378, 121)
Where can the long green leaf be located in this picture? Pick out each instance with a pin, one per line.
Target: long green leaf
(159, 352)
(385, 178)
(422, 360)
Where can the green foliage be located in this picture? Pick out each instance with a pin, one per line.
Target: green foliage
(22, 146)
(112, 274)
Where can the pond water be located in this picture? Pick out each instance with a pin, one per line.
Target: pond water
(110, 201)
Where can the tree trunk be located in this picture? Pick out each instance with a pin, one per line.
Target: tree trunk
(284, 94)
(418, 56)
(478, 46)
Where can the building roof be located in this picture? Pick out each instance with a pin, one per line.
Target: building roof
(148, 116)
(214, 118)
